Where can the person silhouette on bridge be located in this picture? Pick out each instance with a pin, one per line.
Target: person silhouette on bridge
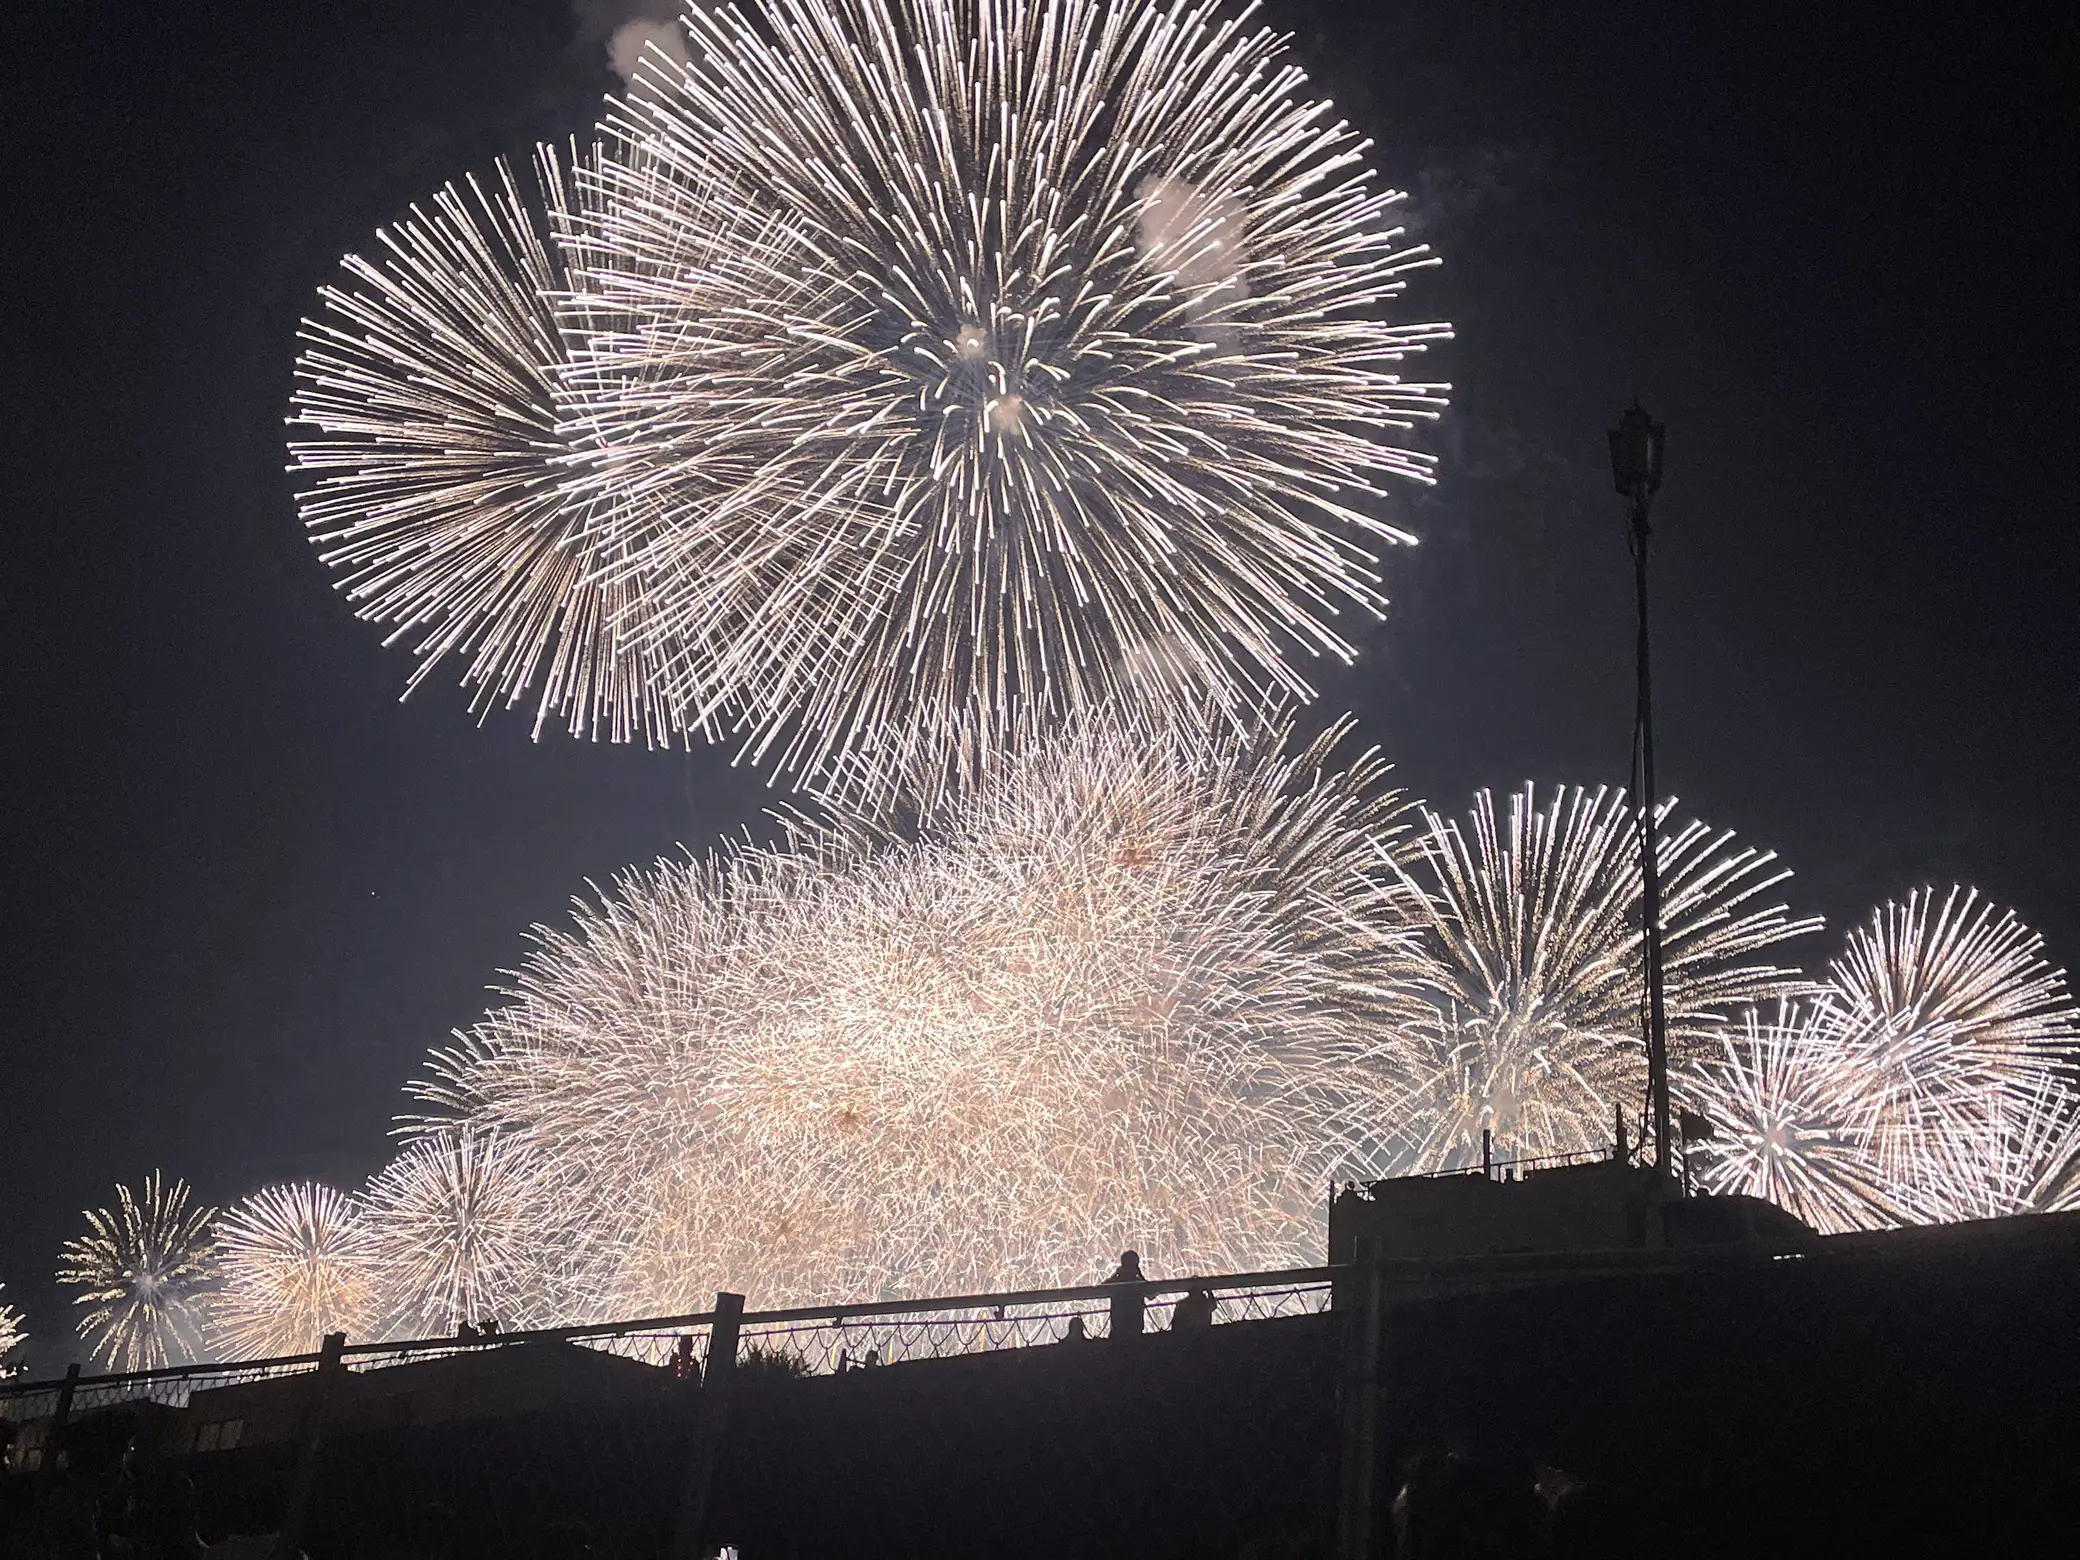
(1128, 1300)
(1194, 1311)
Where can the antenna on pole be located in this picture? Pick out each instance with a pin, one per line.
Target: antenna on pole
(1636, 450)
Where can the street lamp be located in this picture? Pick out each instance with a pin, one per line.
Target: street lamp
(1636, 448)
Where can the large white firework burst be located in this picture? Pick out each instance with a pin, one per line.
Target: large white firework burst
(919, 373)
(435, 470)
(141, 1272)
(1961, 1032)
(1130, 993)
(1534, 975)
(295, 1262)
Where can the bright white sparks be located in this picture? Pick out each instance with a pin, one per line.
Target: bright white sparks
(1534, 975)
(435, 464)
(1131, 993)
(140, 1273)
(1134, 990)
(13, 1334)
(294, 1263)
(1957, 1023)
(463, 1233)
(920, 374)
(1936, 1081)
(1790, 1122)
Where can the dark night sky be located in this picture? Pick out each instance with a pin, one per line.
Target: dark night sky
(247, 888)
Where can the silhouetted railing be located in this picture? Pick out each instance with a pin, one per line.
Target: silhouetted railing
(822, 1338)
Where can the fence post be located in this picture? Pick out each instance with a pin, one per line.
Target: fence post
(711, 1418)
(47, 1458)
(1359, 1390)
(288, 1543)
(61, 1411)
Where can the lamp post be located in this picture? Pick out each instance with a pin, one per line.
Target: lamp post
(1636, 448)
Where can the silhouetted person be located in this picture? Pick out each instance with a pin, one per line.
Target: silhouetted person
(1194, 1310)
(684, 1365)
(1128, 1301)
(464, 1333)
(1076, 1334)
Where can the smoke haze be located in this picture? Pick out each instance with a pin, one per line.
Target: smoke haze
(626, 29)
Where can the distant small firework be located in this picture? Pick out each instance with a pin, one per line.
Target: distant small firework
(141, 1274)
(13, 1334)
(1962, 1031)
(1790, 1121)
(458, 1222)
(1534, 973)
(295, 1262)
(435, 465)
(1134, 991)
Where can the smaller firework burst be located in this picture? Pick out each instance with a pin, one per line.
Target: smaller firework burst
(1961, 1027)
(1790, 1122)
(1534, 972)
(141, 1272)
(296, 1262)
(457, 1219)
(13, 1334)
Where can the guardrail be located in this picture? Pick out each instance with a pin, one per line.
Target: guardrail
(822, 1339)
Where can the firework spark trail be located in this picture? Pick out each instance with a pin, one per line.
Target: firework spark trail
(294, 1262)
(1534, 966)
(462, 1235)
(1130, 993)
(436, 469)
(1961, 1029)
(141, 1272)
(2026, 1160)
(1061, 366)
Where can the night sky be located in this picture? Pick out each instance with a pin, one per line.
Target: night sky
(247, 888)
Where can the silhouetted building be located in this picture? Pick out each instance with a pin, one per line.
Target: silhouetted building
(1601, 1205)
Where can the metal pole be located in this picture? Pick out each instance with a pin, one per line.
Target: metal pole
(1649, 852)
(47, 1460)
(712, 1418)
(288, 1544)
(1359, 1471)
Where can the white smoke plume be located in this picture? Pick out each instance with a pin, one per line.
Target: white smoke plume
(626, 29)
(1198, 238)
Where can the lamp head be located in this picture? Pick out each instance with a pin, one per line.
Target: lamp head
(1636, 445)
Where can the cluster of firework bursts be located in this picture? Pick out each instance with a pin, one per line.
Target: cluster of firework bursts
(1131, 990)
(981, 411)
